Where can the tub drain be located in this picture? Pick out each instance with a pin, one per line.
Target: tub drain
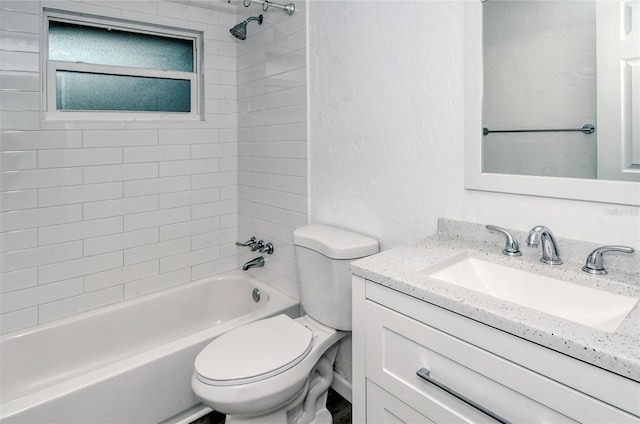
(256, 295)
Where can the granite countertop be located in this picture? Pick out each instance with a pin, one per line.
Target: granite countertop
(618, 351)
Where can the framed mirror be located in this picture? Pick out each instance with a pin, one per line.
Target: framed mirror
(592, 79)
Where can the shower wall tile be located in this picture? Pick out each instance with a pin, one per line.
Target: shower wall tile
(78, 267)
(101, 174)
(34, 296)
(156, 218)
(100, 138)
(121, 275)
(214, 267)
(184, 260)
(78, 157)
(272, 144)
(20, 6)
(189, 167)
(190, 228)
(95, 213)
(95, 210)
(156, 186)
(77, 304)
(21, 81)
(120, 241)
(155, 153)
(78, 194)
(160, 282)
(20, 101)
(79, 230)
(32, 218)
(13, 161)
(36, 140)
(156, 250)
(187, 198)
(17, 280)
(20, 180)
(18, 240)
(12, 321)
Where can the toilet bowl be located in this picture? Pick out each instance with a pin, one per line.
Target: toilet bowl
(273, 361)
(278, 370)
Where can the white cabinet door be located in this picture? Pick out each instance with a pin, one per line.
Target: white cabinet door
(383, 408)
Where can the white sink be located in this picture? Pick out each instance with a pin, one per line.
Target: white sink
(591, 307)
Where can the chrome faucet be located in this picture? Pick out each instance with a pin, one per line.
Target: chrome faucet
(257, 245)
(595, 262)
(550, 252)
(249, 242)
(511, 247)
(254, 263)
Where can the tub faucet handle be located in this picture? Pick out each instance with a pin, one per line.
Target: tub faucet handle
(249, 242)
(595, 263)
(511, 247)
(257, 245)
(267, 248)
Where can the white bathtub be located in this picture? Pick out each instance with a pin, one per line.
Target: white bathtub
(127, 363)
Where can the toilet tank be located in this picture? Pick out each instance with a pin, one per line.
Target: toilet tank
(324, 255)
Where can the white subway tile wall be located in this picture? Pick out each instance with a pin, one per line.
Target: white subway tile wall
(272, 142)
(96, 213)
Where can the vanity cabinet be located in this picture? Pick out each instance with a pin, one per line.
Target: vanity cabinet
(469, 372)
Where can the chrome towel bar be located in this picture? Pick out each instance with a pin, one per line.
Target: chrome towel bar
(586, 128)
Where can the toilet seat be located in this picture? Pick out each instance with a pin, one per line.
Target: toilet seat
(258, 350)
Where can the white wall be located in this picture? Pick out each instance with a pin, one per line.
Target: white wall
(97, 213)
(386, 147)
(386, 131)
(272, 139)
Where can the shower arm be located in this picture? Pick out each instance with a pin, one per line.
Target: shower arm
(288, 8)
(254, 18)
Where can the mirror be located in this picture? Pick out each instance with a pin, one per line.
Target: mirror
(554, 68)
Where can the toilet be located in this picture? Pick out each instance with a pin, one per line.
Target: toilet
(278, 369)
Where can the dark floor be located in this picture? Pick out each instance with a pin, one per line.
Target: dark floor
(339, 407)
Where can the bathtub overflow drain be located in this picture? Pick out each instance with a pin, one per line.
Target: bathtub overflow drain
(256, 295)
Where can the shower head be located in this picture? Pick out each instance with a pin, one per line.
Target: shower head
(240, 31)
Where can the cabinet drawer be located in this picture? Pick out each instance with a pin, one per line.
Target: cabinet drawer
(382, 408)
(398, 347)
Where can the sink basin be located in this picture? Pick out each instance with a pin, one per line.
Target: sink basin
(591, 307)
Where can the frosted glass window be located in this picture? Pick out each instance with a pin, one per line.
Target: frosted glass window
(104, 46)
(85, 91)
(101, 66)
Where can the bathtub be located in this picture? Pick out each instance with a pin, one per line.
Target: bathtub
(127, 363)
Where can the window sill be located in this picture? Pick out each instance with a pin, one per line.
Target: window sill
(117, 120)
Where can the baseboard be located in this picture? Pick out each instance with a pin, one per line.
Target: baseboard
(342, 386)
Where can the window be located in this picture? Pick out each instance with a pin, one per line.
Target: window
(96, 69)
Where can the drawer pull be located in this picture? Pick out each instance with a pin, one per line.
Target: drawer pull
(425, 374)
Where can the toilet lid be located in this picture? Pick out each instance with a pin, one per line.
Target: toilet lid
(254, 351)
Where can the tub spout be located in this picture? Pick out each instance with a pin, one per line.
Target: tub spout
(254, 263)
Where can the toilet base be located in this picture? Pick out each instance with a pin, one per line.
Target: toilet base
(276, 417)
(309, 407)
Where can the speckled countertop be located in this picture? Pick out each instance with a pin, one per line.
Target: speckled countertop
(618, 351)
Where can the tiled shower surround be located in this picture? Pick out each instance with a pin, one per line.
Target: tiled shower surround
(99, 212)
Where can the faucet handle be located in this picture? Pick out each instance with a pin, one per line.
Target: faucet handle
(257, 245)
(595, 263)
(511, 247)
(267, 248)
(249, 242)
